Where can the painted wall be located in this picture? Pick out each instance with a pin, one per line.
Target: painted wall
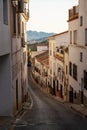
(42, 48)
(5, 43)
(83, 13)
(62, 39)
(5, 86)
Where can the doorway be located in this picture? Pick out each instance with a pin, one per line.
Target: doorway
(61, 91)
(54, 92)
(71, 95)
(17, 94)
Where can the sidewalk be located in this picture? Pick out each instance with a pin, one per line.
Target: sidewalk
(6, 122)
(76, 107)
(80, 109)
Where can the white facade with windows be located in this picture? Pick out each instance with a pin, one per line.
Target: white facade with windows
(56, 62)
(78, 54)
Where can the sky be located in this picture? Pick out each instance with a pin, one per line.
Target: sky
(49, 15)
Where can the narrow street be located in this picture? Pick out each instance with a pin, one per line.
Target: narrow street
(48, 114)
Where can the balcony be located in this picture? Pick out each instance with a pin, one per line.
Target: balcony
(73, 13)
(23, 7)
(15, 3)
(59, 56)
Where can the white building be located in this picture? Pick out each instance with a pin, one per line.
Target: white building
(13, 55)
(42, 48)
(57, 43)
(41, 68)
(5, 59)
(78, 53)
(19, 17)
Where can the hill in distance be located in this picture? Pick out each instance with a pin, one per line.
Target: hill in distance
(34, 36)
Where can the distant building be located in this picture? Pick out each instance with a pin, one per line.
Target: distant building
(42, 48)
(41, 68)
(57, 44)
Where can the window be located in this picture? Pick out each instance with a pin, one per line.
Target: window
(14, 20)
(24, 58)
(81, 56)
(50, 71)
(66, 69)
(75, 95)
(53, 53)
(50, 52)
(5, 12)
(74, 71)
(70, 37)
(75, 36)
(86, 37)
(85, 79)
(70, 68)
(81, 20)
(22, 27)
(18, 23)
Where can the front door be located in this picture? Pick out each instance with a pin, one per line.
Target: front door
(61, 91)
(17, 94)
(54, 93)
(82, 88)
(71, 95)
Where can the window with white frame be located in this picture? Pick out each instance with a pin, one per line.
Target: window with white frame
(75, 36)
(81, 20)
(75, 71)
(81, 56)
(86, 37)
(70, 37)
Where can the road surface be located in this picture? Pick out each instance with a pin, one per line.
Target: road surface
(48, 114)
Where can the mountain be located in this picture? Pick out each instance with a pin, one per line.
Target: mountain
(34, 36)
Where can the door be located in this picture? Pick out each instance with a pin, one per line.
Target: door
(57, 86)
(17, 94)
(71, 95)
(82, 88)
(54, 93)
(61, 91)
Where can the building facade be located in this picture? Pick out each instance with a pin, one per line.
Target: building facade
(77, 46)
(13, 55)
(57, 44)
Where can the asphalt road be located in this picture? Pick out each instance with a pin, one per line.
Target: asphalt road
(48, 114)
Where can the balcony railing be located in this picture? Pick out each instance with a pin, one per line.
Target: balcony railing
(26, 12)
(73, 13)
(23, 7)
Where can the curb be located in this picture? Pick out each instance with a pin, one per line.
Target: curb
(60, 101)
(79, 112)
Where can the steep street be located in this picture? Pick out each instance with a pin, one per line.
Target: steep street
(48, 114)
